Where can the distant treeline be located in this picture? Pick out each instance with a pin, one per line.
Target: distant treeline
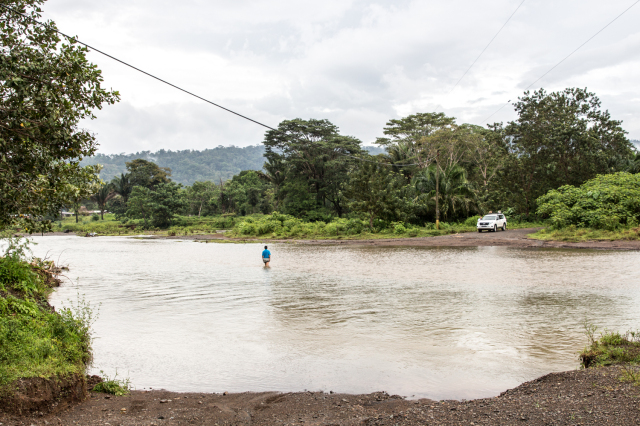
(190, 166)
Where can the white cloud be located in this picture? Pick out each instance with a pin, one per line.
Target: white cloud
(356, 63)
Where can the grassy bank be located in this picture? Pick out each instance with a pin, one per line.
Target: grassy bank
(272, 226)
(613, 348)
(574, 234)
(36, 341)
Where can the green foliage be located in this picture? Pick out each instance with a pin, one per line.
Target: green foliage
(606, 202)
(560, 138)
(315, 160)
(188, 166)
(432, 169)
(277, 225)
(147, 174)
(610, 348)
(159, 205)
(34, 340)
(47, 88)
(472, 221)
(113, 386)
(376, 192)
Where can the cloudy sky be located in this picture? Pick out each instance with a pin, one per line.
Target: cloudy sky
(356, 63)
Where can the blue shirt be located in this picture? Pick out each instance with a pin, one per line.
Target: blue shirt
(266, 254)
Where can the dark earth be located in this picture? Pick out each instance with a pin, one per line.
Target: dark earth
(511, 238)
(595, 396)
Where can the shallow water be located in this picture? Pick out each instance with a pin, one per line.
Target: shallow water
(442, 323)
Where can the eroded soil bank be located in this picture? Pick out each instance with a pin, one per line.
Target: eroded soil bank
(584, 397)
(510, 238)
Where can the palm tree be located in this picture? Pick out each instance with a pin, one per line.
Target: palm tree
(104, 194)
(275, 173)
(454, 190)
(122, 186)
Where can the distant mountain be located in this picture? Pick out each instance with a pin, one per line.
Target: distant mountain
(189, 166)
(636, 142)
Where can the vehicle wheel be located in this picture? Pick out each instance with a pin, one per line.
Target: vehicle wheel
(480, 231)
(504, 226)
(495, 228)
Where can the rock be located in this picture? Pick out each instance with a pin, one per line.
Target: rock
(225, 393)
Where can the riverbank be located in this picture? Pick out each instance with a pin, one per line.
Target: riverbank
(43, 353)
(582, 397)
(518, 238)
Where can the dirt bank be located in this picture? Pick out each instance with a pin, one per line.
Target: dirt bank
(584, 397)
(510, 238)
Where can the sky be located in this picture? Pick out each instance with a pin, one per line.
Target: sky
(356, 63)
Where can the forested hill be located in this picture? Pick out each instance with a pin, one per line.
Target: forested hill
(189, 166)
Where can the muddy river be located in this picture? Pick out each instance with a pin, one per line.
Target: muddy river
(443, 323)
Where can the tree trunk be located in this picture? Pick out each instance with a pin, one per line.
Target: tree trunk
(437, 197)
(101, 214)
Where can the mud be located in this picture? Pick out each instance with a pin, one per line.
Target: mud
(583, 397)
(511, 238)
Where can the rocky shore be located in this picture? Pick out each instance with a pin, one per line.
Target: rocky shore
(584, 397)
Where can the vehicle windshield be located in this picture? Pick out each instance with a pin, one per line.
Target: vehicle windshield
(490, 217)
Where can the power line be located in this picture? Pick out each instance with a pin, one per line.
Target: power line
(486, 47)
(567, 57)
(75, 39)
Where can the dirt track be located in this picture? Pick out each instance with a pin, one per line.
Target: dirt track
(584, 397)
(509, 238)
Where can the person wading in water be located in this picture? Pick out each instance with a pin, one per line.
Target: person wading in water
(266, 257)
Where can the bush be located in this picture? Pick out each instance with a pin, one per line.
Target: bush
(606, 202)
(399, 228)
(95, 217)
(113, 386)
(472, 221)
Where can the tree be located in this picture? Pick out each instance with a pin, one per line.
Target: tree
(375, 191)
(446, 190)
(315, 156)
(146, 173)
(158, 205)
(104, 194)
(561, 138)
(199, 195)
(47, 87)
(486, 152)
(122, 186)
(140, 204)
(407, 135)
(166, 202)
(275, 173)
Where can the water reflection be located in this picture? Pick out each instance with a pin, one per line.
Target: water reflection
(432, 322)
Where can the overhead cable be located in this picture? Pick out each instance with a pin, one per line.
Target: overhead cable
(566, 57)
(486, 47)
(75, 39)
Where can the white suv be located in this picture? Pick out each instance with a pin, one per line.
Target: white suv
(491, 222)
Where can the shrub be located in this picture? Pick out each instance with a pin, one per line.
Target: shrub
(399, 228)
(113, 386)
(472, 221)
(95, 217)
(604, 202)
